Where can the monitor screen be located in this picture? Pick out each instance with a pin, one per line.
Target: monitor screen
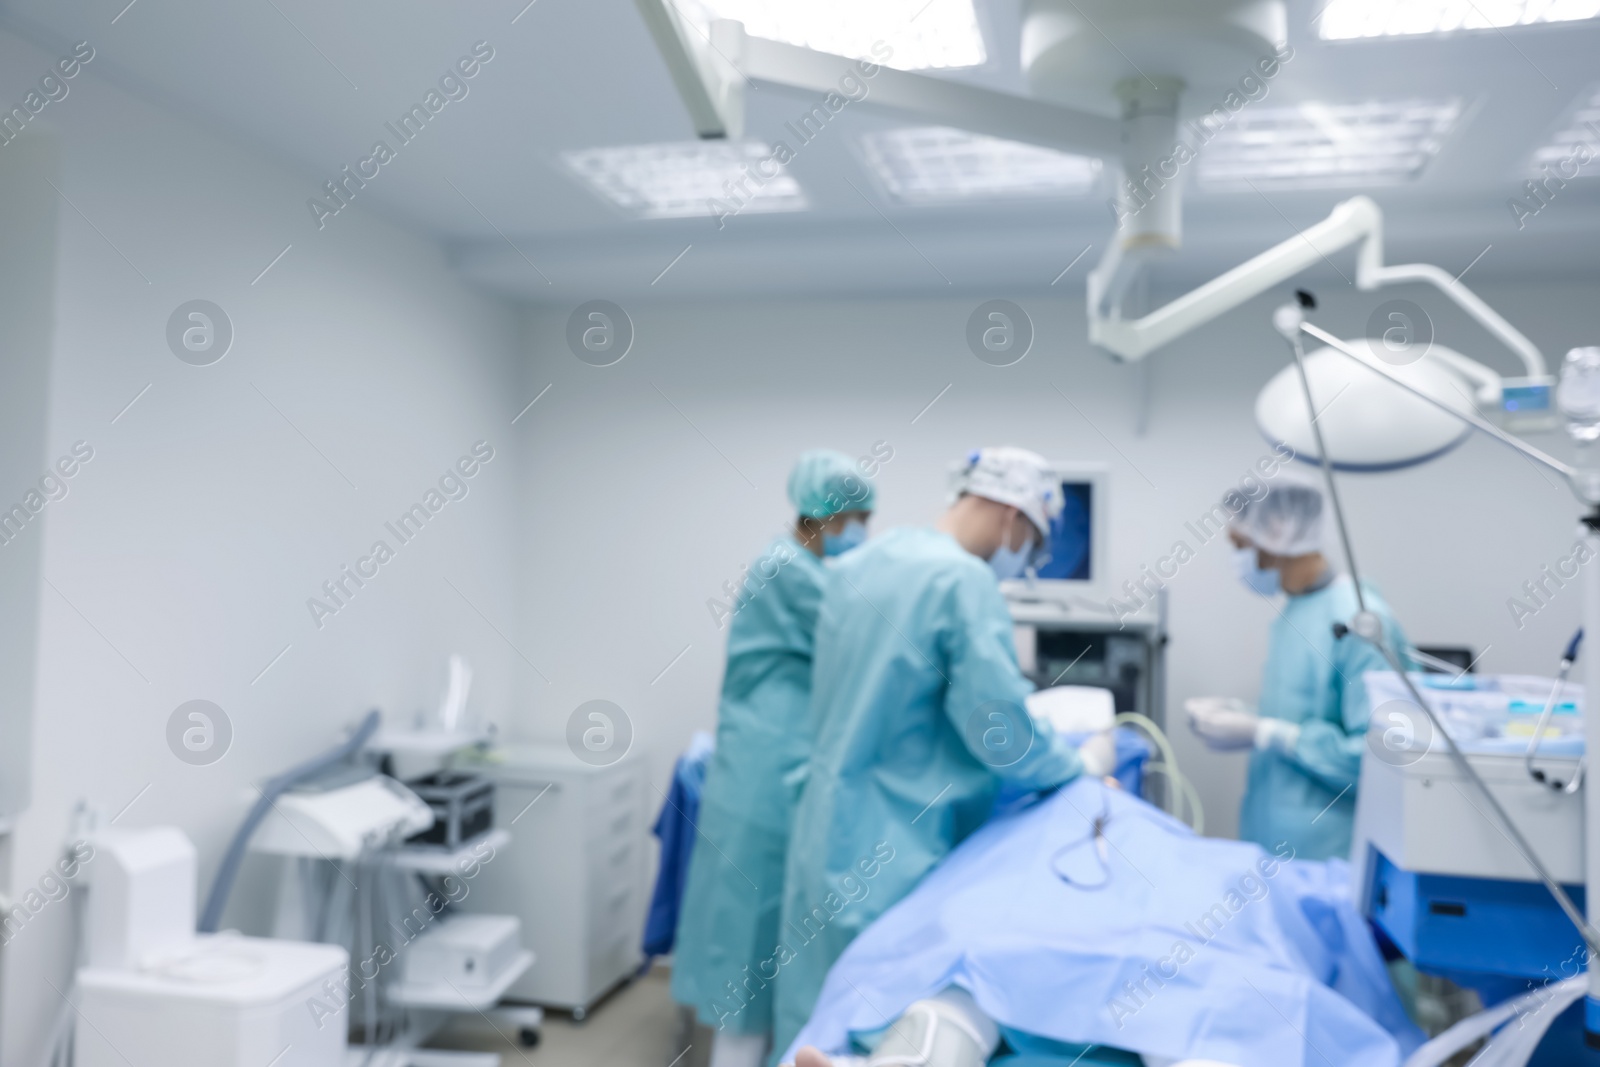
(1072, 535)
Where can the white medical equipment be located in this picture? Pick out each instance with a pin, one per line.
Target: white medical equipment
(1074, 709)
(1118, 649)
(574, 871)
(469, 954)
(154, 991)
(336, 821)
(428, 742)
(1415, 807)
(343, 823)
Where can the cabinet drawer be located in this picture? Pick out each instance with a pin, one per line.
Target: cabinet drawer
(612, 863)
(606, 829)
(611, 798)
(615, 793)
(614, 917)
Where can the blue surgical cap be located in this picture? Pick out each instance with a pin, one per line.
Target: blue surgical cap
(824, 483)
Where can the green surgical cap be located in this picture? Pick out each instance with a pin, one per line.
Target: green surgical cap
(824, 483)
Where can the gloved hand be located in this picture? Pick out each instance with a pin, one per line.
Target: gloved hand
(1223, 723)
(1279, 734)
(1099, 754)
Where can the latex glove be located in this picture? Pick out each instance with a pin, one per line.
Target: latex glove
(1099, 755)
(1223, 723)
(1277, 734)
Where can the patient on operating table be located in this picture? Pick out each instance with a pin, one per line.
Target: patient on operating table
(1091, 928)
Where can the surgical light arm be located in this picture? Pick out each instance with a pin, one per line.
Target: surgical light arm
(714, 66)
(1357, 221)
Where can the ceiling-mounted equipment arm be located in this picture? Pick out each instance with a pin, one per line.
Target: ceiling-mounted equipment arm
(705, 80)
(1355, 220)
(712, 69)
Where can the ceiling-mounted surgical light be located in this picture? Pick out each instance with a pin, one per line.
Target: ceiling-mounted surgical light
(1368, 422)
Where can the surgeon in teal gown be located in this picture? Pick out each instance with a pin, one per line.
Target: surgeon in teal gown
(918, 705)
(729, 918)
(1311, 727)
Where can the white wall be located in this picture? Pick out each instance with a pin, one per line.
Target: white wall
(635, 518)
(180, 562)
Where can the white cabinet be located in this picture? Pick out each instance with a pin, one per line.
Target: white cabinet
(574, 871)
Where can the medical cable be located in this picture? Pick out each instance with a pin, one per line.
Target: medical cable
(222, 884)
(1567, 659)
(1308, 302)
(1097, 835)
(1369, 628)
(1182, 789)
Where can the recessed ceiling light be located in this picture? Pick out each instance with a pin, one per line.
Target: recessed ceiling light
(671, 181)
(1328, 144)
(1348, 19)
(934, 163)
(920, 34)
(1578, 129)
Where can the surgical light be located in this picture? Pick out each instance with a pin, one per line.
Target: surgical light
(1324, 145)
(1368, 422)
(918, 34)
(1350, 19)
(667, 181)
(928, 164)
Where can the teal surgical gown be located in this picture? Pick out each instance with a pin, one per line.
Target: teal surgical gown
(917, 706)
(729, 920)
(1307, 797)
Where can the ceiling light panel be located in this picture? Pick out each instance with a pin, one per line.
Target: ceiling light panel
(931, 164)
(905, 34)
(1345, 20)
(672, 181)
(1323, 145)
(1578, 129)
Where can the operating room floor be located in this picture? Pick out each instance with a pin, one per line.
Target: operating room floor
(635, 1026)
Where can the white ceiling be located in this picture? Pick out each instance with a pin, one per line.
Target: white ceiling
(315, 83)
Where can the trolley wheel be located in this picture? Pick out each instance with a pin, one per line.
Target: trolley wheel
(529, 1037)
(579, 1014)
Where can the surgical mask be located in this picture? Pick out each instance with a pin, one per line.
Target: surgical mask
(1266, 582)
(853, 534)
(1010, 563)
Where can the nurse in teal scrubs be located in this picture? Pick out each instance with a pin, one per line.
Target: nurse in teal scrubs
(729, 921)
(1311, 726)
